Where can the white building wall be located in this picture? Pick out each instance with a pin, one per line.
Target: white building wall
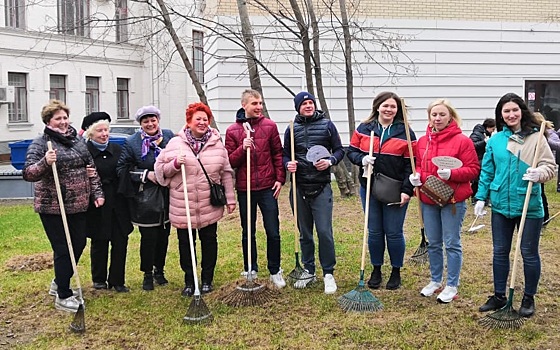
(471, 63)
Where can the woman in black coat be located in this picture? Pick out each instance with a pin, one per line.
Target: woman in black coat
(111, 222)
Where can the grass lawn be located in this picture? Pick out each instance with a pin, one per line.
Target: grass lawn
(294, 319)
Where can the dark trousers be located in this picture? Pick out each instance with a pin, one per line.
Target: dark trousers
(99, 252)
(54, 229)
(153, 247)
(209, 248)
(268, 205)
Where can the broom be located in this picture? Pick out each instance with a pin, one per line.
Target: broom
(297, 273)
(249, 293)
(507, 317)
(78, 325)
(361, 299)
(420, 256)
(198, 312)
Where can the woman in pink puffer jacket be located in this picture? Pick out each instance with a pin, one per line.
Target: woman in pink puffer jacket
(196, 141)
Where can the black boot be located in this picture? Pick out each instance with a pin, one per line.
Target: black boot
(527, 308)
(159, 276)
(395, 279)
(148, 283)
(494, 302)
(375, 278)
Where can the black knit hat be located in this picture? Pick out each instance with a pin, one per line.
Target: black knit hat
(94, 117)
(302, 97)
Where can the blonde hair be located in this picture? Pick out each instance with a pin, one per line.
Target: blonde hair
(540, 118)
(51, 108)
(452, 111)
(89, 131)
(249, 93)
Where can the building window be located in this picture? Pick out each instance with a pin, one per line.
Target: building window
(198, 54)
(92, 95)
(17, 111)
(73, 17)
(58, 87)
(121, 16)
(122, 98)
(15, 13)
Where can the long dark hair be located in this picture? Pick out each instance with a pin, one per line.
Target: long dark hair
(528, 120)
(378, 100)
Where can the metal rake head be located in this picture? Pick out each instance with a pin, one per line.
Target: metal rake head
(249, 294)
(360, 299)
(505, 318)
(78, 325)
(198, 312)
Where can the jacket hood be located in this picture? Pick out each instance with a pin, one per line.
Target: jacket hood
(241, 117)
(449, 132)
(480, 129)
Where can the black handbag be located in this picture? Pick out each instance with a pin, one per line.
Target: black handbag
(217, 191)
(149, 201)
(386, 189)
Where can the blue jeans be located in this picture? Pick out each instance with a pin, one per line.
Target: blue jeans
(316, 211)
(385, 223)
(268, 205)
(444, 227)
(502, 236)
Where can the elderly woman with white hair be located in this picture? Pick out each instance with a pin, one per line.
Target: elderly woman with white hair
(149, 201)
(109, 224)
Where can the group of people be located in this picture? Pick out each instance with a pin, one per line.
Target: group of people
(107, 189)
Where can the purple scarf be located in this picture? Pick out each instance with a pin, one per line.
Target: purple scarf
(197, 143)
(151, 142)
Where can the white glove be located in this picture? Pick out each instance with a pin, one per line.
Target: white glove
(415, 180)
(479, 208)
(368, 160)
(444, 174)
(532, 175)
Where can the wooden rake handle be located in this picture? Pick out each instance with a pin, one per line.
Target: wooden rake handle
(294, 187)
(189, 225)
(65, 222)
(366, 206)
(525, 208)
(411, 156)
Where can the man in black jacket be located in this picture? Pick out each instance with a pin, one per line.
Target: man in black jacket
(314, 193)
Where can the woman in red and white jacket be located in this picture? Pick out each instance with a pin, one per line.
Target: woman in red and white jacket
(445, 138)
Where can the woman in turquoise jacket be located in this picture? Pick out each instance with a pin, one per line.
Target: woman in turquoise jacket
(505, 173)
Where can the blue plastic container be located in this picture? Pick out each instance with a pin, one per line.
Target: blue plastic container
(117, 139)
(18, 150)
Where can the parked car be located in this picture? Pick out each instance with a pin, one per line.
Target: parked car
(119, 133)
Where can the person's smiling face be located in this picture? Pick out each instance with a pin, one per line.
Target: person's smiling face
(150, 124)
(199, 124)
(387, 111)
(511, 112)
(59, 121)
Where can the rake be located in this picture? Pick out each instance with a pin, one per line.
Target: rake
(361, 299)
(297, 273)
(420, 256)
(507, 317)
(78, 324)
(249, 293)
(474, 228)
(198, 312)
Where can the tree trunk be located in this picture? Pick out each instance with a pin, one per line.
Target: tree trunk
(349, 76)
(317, 59)
(247, 32)
(304, 37)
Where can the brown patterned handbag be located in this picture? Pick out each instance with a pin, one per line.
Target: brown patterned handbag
(437, 190)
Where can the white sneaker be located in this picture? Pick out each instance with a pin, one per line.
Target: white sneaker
(69, 304)
(430, 289)
(305, 279)
(253, 274)
(448, 295)
(53, 290)
(278, 280)
(330, 284)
